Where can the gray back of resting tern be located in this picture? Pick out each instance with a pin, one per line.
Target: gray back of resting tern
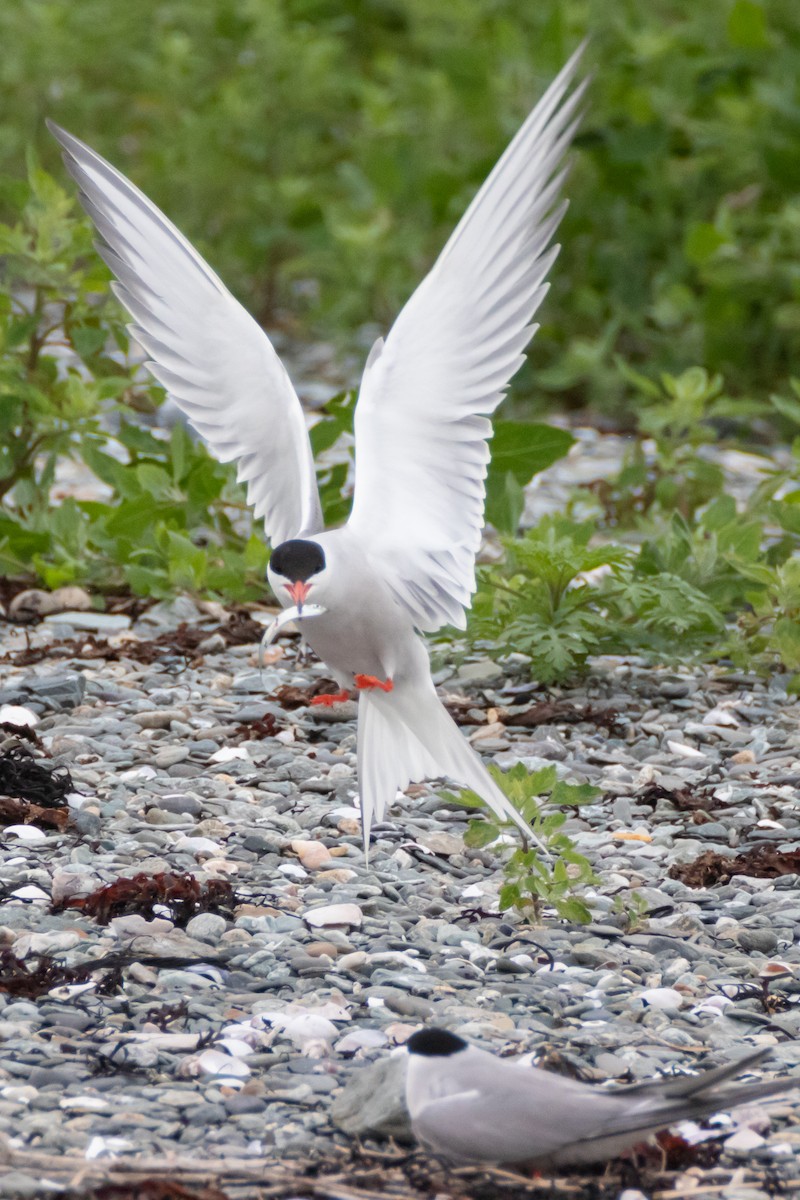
(405, 560)
(469, 1106)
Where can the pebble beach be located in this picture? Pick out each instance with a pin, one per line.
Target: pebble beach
(241, 1037)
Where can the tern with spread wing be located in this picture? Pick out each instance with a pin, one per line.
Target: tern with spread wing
(404, 563)
(470, 1106)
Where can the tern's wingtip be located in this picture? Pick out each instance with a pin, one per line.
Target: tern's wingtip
(60, 134)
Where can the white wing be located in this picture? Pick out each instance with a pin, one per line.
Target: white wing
(421, 441)
(216, 363)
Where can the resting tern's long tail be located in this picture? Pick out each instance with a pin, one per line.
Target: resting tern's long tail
(407, 735)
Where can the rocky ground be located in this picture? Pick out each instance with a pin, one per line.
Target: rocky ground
(207, 1027)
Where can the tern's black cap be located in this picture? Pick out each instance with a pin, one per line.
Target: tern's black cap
(297, 559)
(435, 1043)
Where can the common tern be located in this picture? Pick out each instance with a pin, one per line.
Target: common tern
(470, 1106)
(404, 563)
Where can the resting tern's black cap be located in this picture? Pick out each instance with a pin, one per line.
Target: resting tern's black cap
(297, 559)
(435, 1043)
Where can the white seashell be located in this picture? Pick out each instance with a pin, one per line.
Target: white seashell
(215, 1062)
(684, 750)
(228, 753)
(29, 891)
(361, 1039)
(305, 1029)
(17, 714)
(145, 772)
(235, 1047)
(664, 998)
(107, 1147)
(721, 716)
(67, 990)
(25, 833)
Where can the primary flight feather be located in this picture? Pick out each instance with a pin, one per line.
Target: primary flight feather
(405, 560)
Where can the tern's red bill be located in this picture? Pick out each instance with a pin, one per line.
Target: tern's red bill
(298, 591)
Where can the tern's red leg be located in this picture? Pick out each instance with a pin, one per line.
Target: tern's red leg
(365, 682)
(328, 699)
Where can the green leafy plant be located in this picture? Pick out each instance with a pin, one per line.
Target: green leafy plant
(520, 450)
(631, 911)
(531, 884)
(667, 469)
(560, 599)
(540, 601)
(174, 519)
(57, 332)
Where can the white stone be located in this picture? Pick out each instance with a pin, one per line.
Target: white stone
(198, 845)
(94, 622)
(20, 1093)
(311, 854)
(83, 1104)
(107, 1147)
(293, 871)
(334, 914)
(745, 1141)
(46, 943)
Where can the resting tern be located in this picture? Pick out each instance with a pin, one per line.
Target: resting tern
(470, 1106)
(404, 563)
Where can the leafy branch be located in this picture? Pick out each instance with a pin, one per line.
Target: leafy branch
(530, 883)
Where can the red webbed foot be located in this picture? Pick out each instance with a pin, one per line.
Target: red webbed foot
(366, 682)
(328, 699)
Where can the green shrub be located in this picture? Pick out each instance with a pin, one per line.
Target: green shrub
(699, 577)
(320, 151)
(533, 880)
(65, 382)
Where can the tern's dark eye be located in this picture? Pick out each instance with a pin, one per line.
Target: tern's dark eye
(297, 559)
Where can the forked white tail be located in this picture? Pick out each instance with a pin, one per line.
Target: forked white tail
(406, 736)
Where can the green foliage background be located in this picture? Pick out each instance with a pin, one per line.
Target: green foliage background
(319, 152)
